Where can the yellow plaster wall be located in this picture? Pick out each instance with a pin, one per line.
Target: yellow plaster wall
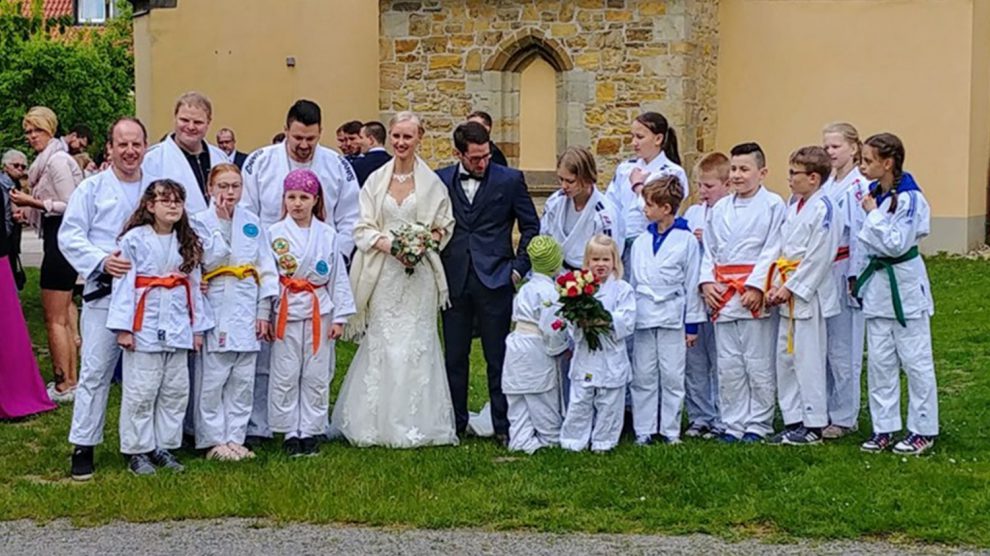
(917, 68)
(538, 116)
(235, 51)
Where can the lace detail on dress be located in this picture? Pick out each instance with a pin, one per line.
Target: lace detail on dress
(396, 393)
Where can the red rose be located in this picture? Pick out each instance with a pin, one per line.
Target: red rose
(589, 289)
(562, 279)
(557, 324)
(572, 291)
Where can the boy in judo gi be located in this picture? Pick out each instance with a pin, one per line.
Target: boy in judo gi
(800, 282)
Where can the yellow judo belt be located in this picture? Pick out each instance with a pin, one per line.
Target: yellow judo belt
(785, 267)
(239, 272)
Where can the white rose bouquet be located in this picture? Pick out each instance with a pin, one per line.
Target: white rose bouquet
(411, 242)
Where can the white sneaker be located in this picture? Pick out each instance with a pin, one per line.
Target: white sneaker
(67, 396)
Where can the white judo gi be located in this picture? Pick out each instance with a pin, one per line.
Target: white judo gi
(630, 205)
(156, 372)
(241, 290)
(168, 160)
(846, 331)
(701, 369)
(530, 379)
(264, 173)
(891, 345)
(665, 279)
(599, 378)
(742, 238)
(315, 293)
(809, 238)
(94, 217)
(599, 216)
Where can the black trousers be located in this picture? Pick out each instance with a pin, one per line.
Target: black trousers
(492, 310)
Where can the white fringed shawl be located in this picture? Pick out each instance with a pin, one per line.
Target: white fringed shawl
(432, 207)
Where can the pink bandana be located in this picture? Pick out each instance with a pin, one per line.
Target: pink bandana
(302, 179)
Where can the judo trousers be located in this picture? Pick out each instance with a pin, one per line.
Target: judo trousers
(224, 388)
(595, 414)
(892, 347)
(534, 420)
(299, 382)
(701, 379)
(153, 403)
(99, 358)
(658, 375)
(746, 375)
(801, 383)
(846, 334)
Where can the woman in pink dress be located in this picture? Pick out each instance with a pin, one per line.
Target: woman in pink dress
(22, 391)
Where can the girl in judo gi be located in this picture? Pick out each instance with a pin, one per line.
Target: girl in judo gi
(599, 377)
(313, 306)
(666, 262)
(847, 188)
(530, 379)
(897, 301)
(158, 314)
(242, 283)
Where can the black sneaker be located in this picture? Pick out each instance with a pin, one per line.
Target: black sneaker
(164, 458)
(253, 442)
(803, 436)
(292, 447)
(82, 463)
(778, 438)
(309, 446)
(140, 465)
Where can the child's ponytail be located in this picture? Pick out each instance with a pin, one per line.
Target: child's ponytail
(657, 124)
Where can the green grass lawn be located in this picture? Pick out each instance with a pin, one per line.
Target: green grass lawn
(779, 493)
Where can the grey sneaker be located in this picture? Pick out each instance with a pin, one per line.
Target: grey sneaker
(164, 458)
(140, 465)
(832, 432)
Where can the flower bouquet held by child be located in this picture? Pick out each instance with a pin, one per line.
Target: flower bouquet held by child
(411, 242)
(577, 296)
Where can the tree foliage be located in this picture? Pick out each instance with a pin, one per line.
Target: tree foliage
(85, 74)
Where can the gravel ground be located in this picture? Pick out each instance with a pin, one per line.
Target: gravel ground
(242, 537)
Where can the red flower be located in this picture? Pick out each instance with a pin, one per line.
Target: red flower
(562, 279)
(557, 324)
(572, 291)
(589, 289)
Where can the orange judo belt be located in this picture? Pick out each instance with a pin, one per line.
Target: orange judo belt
(785, 267)
(297, 285)
(151, 282)
(734, 276)
(842, 254)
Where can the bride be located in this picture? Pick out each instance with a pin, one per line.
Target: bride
(395, 393)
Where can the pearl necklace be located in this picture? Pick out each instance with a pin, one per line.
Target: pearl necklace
(403, 178)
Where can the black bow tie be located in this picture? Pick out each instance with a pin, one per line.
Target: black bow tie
(465, 177)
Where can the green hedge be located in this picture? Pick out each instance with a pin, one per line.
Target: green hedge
(85, 74)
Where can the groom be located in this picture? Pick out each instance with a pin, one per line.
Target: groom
(481, 269)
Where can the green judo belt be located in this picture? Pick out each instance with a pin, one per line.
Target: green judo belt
(887, 263)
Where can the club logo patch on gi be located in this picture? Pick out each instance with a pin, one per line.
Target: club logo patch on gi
(280, 245)
(251, 230)
(588, 377)
(288, 263)
(322, 268)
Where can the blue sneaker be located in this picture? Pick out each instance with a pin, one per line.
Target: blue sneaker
(878, 442)
(751, 438)
(727, 438)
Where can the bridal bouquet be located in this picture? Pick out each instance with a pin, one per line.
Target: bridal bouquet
(579, 305)
(411, 242)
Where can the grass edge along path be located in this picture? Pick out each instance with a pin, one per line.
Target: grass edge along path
(777, 493)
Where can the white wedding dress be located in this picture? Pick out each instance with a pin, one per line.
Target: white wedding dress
(395, 393)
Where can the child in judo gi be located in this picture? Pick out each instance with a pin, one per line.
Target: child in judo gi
(846, 331)
(530, 379)
(599, 377)
(314, 303)
(741, 240)
(242, 282)
(158, 314)
(897, 301)
(665, 264)
(711, 180)
(800, 282)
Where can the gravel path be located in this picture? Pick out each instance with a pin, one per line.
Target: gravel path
(243, 537)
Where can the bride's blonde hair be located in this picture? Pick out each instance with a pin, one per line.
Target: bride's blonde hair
(407, 116)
